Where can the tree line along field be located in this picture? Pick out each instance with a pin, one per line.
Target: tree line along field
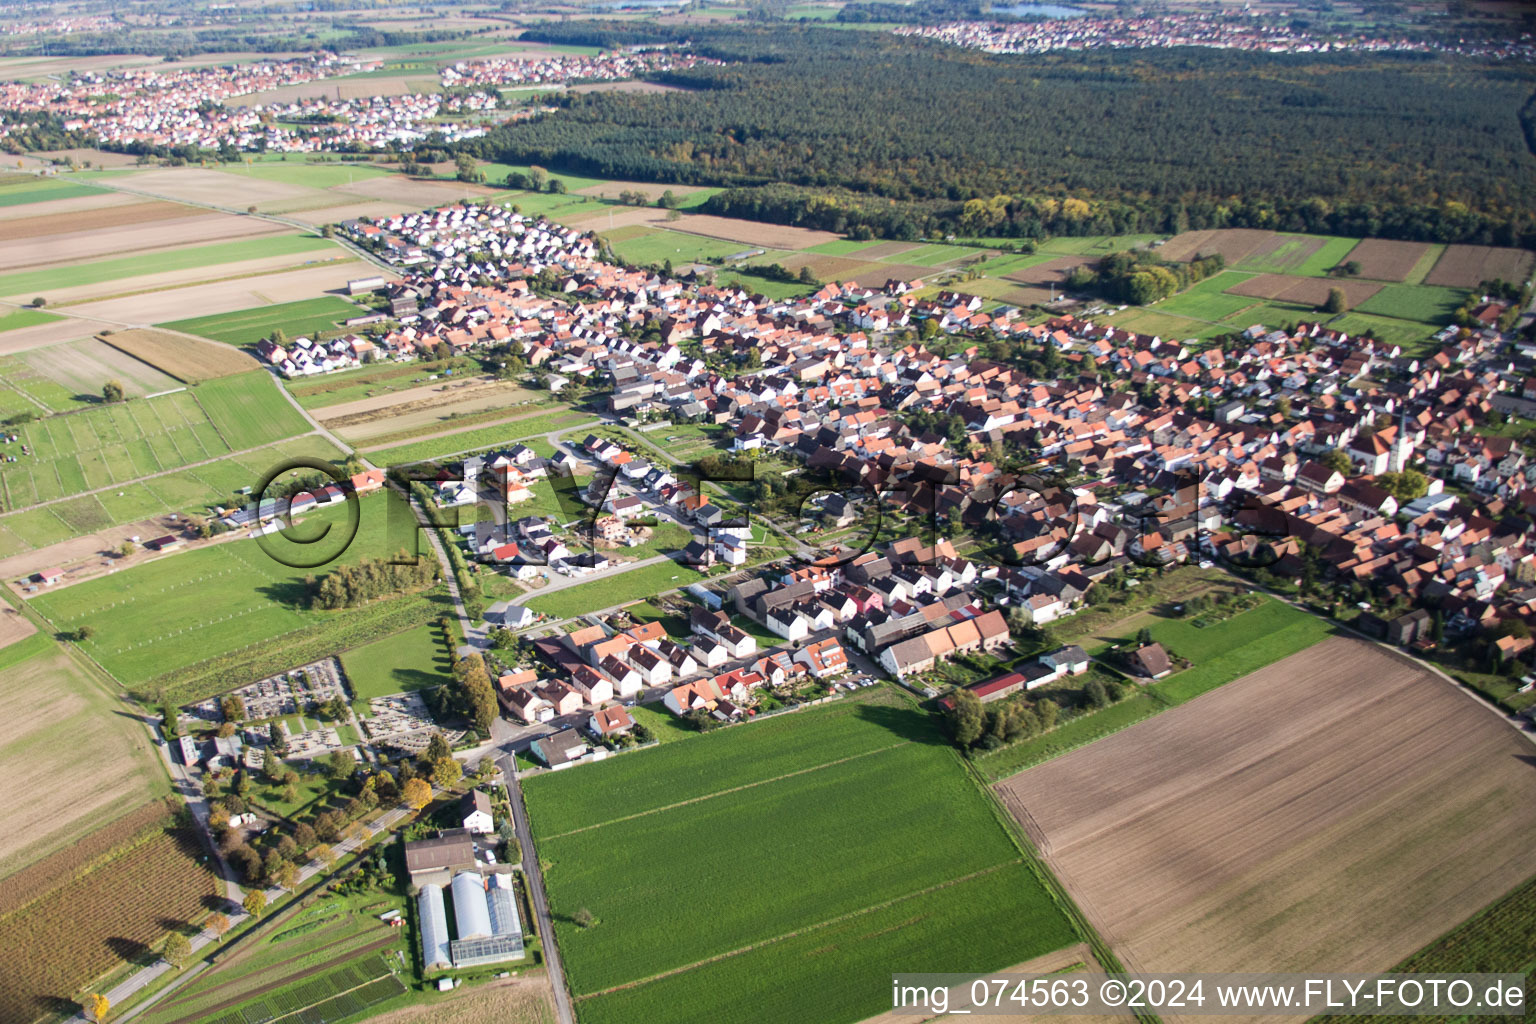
(117, 443)
(177, 620)
(128, 884)
(894, 855)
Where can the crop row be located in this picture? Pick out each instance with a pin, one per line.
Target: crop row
(99, 920)
(346, 986)
(840, 973)
(725, 759)
(815, 846)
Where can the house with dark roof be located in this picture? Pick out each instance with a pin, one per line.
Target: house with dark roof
(1151, 661)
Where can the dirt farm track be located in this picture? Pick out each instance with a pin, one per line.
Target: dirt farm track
(1334, 811)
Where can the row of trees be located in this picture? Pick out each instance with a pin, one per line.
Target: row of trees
(348, 586)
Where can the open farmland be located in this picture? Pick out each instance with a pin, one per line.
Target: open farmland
(1218, 653)
(111, 911)
(214, 298)
(83, 366)
(203, 258)
(249, 409)
(1382, 259)
(248, 326)
(178, 356)
(1334, 811)
(109, 444)
(40, 190)
(194, 620)
(1467, 266)
(48, 705)
(65, 250)
(1306, 291)
(75, 533)
(1234, 244)
(913, 867)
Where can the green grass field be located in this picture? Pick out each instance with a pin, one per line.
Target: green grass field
(484, 437)
(1208, 300)
(248, 409)
(1426, 304)
(680, 247)
(312, 175)
(1332, 253)
(1291, 255)
(108, 444)
(1414, 337)
(43, 189)
(410, 660)
(29, 282)
(611, 590)
(188, 490)
(174, 612)
(248, 326)
(1218, 654)
(25, 318)
(891, 835)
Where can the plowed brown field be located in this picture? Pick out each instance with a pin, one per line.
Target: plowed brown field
(1310, 291)
(1334, 811)
(1467, 266)
(1383, 260)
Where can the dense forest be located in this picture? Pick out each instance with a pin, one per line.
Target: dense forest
(906, 137)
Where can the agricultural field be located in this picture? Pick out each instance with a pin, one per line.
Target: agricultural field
(109, 444)
(170, 614)
(39, 190)
(1383, 259)
(248, 326)
(449, 403)
(176, 355)
(188, 490)
(512, 1001)
(1467, 266)
(204, 258)
(1499, 939)
(334, 957)
(48, 703)
(249, 409)
(16, 318)
(106, 903)
(1217, 654)
(1427, 304)
(873, 766)
(367, 382)
(1340, 782)
(499, 434)
(410, 660)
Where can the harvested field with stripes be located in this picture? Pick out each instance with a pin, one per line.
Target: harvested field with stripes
(1336, 810)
